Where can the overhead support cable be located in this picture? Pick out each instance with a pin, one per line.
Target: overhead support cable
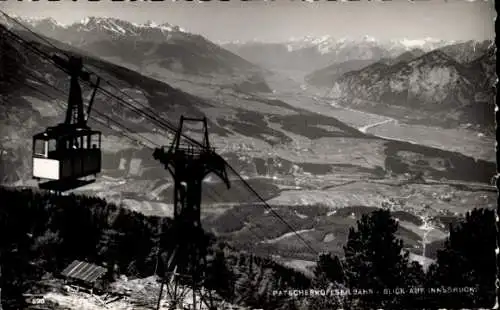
(162, 123)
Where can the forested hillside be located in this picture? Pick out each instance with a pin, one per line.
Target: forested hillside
(41, 233)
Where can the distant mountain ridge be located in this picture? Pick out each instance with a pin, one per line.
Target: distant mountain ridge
(434, 83)
(107, 25)
(327, 43)
(405, 57)
(310, 54)
(326, 76)
(141, 45)
(468, 51)
(314, 53)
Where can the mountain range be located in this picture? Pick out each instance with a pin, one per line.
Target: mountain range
(310, 53)
(326, 76)
(158, 45)
(448, 92)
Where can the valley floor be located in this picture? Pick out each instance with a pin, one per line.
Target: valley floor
(465, 141)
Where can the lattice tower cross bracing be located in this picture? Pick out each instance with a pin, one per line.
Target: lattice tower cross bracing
(189, 165)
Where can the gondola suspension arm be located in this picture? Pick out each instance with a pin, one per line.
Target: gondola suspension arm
(91, 102)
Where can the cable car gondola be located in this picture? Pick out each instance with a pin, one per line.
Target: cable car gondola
(69, 151)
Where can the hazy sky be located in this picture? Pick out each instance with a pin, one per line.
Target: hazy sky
(282, 19)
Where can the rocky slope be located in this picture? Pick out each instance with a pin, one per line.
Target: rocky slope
(464, 52)
(434, 84)
(326, 76)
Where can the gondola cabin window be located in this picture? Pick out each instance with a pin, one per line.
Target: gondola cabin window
(40, 148)
(44, 148)
(95, 141)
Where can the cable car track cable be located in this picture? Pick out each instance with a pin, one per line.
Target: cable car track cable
(54, 98)
(247, 185)
(97, 111)
(168, 126)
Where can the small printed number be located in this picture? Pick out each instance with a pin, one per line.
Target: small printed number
(38, 301)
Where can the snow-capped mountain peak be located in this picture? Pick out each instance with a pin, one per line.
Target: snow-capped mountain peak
(124, 27)
(46, 22)
(413, 43)
(49, 20)
(85, 21)
(114, 26)
(324, 43)
(424, 43)
(368, 38)
(109, 24)
(362, 47)
(151, 24)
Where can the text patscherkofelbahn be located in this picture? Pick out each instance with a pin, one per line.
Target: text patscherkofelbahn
(387, 291)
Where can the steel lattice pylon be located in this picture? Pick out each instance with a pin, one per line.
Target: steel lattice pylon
(188, 166)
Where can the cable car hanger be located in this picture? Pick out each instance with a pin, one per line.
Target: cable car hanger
(71, 150)
(74, 113)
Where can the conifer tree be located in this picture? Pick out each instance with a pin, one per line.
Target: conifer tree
(468, 260)
(221, 278)
(375, 260)
(330, 267)
(328, 274)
